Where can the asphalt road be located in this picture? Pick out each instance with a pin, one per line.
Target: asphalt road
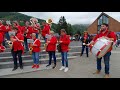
(80, 67)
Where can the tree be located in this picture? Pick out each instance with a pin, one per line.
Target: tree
(70, 29)
(62, 24)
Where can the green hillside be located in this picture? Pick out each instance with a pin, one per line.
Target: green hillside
(16, 16)
(22, 17)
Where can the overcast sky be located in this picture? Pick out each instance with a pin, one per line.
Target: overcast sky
(72, 17)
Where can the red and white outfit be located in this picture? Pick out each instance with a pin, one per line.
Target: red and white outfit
(2, 48)
(17, 46)
(35, 52)
(65, 43)
(52, 44)
(2, 30)
(8, 28)
(36, 48)
(46, 30)
(30, 31)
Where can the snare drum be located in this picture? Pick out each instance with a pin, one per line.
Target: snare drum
(100, 47)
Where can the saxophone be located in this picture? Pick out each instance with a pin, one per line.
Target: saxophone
(45, 46)
(10, 44)
(30, 49)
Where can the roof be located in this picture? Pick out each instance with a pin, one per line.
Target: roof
(100, 16)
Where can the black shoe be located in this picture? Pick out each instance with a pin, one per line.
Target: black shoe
(14, 69)
(47, 65)
(54, 66)
(21, 67)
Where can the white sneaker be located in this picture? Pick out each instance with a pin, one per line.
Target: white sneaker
(66, 69)
(62, 68)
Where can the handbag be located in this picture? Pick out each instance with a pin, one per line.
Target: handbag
(59, 47)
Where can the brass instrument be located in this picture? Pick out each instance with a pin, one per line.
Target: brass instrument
(45, 46)
(10, 44)
(49, 21)
(30, 42)
(33, 21)
(30, 49)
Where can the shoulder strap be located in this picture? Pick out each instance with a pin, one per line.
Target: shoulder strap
(35, 41)
(108, 33)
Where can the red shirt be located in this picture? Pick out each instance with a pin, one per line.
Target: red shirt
(18, 45)
(46, 30)
(22, 30)
(35, 30)
(30, 31)
(65, 43)
(52, 45)
(19, 29)
(1, 38)
(2, 48)
(2, 29)
(38, 43)
(8, 28)
(110, 35)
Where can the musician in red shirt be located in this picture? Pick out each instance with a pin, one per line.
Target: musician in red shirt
(16, 24)
(36, 29)
(8, 28)
(51, 48)
(2, 31)
(17, 48)
(27, 35)
(46, 30)
(35, 50)
(2, 48)
(64, 42)
(110, 36)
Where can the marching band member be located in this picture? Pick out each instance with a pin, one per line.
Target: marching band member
(1, 38)
(104, 32)
(28, 32)
(35, 50)
(51, 48)
(64, 42)
(16, 24)
(85, 40)
(2, 31)
(46, 30)
(2, 48)
(18, 48)
(8, 28)
(36, 29)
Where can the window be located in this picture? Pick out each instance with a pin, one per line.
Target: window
(101, 20)
(105, 19)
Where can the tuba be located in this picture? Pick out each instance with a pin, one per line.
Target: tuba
(33, 21)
